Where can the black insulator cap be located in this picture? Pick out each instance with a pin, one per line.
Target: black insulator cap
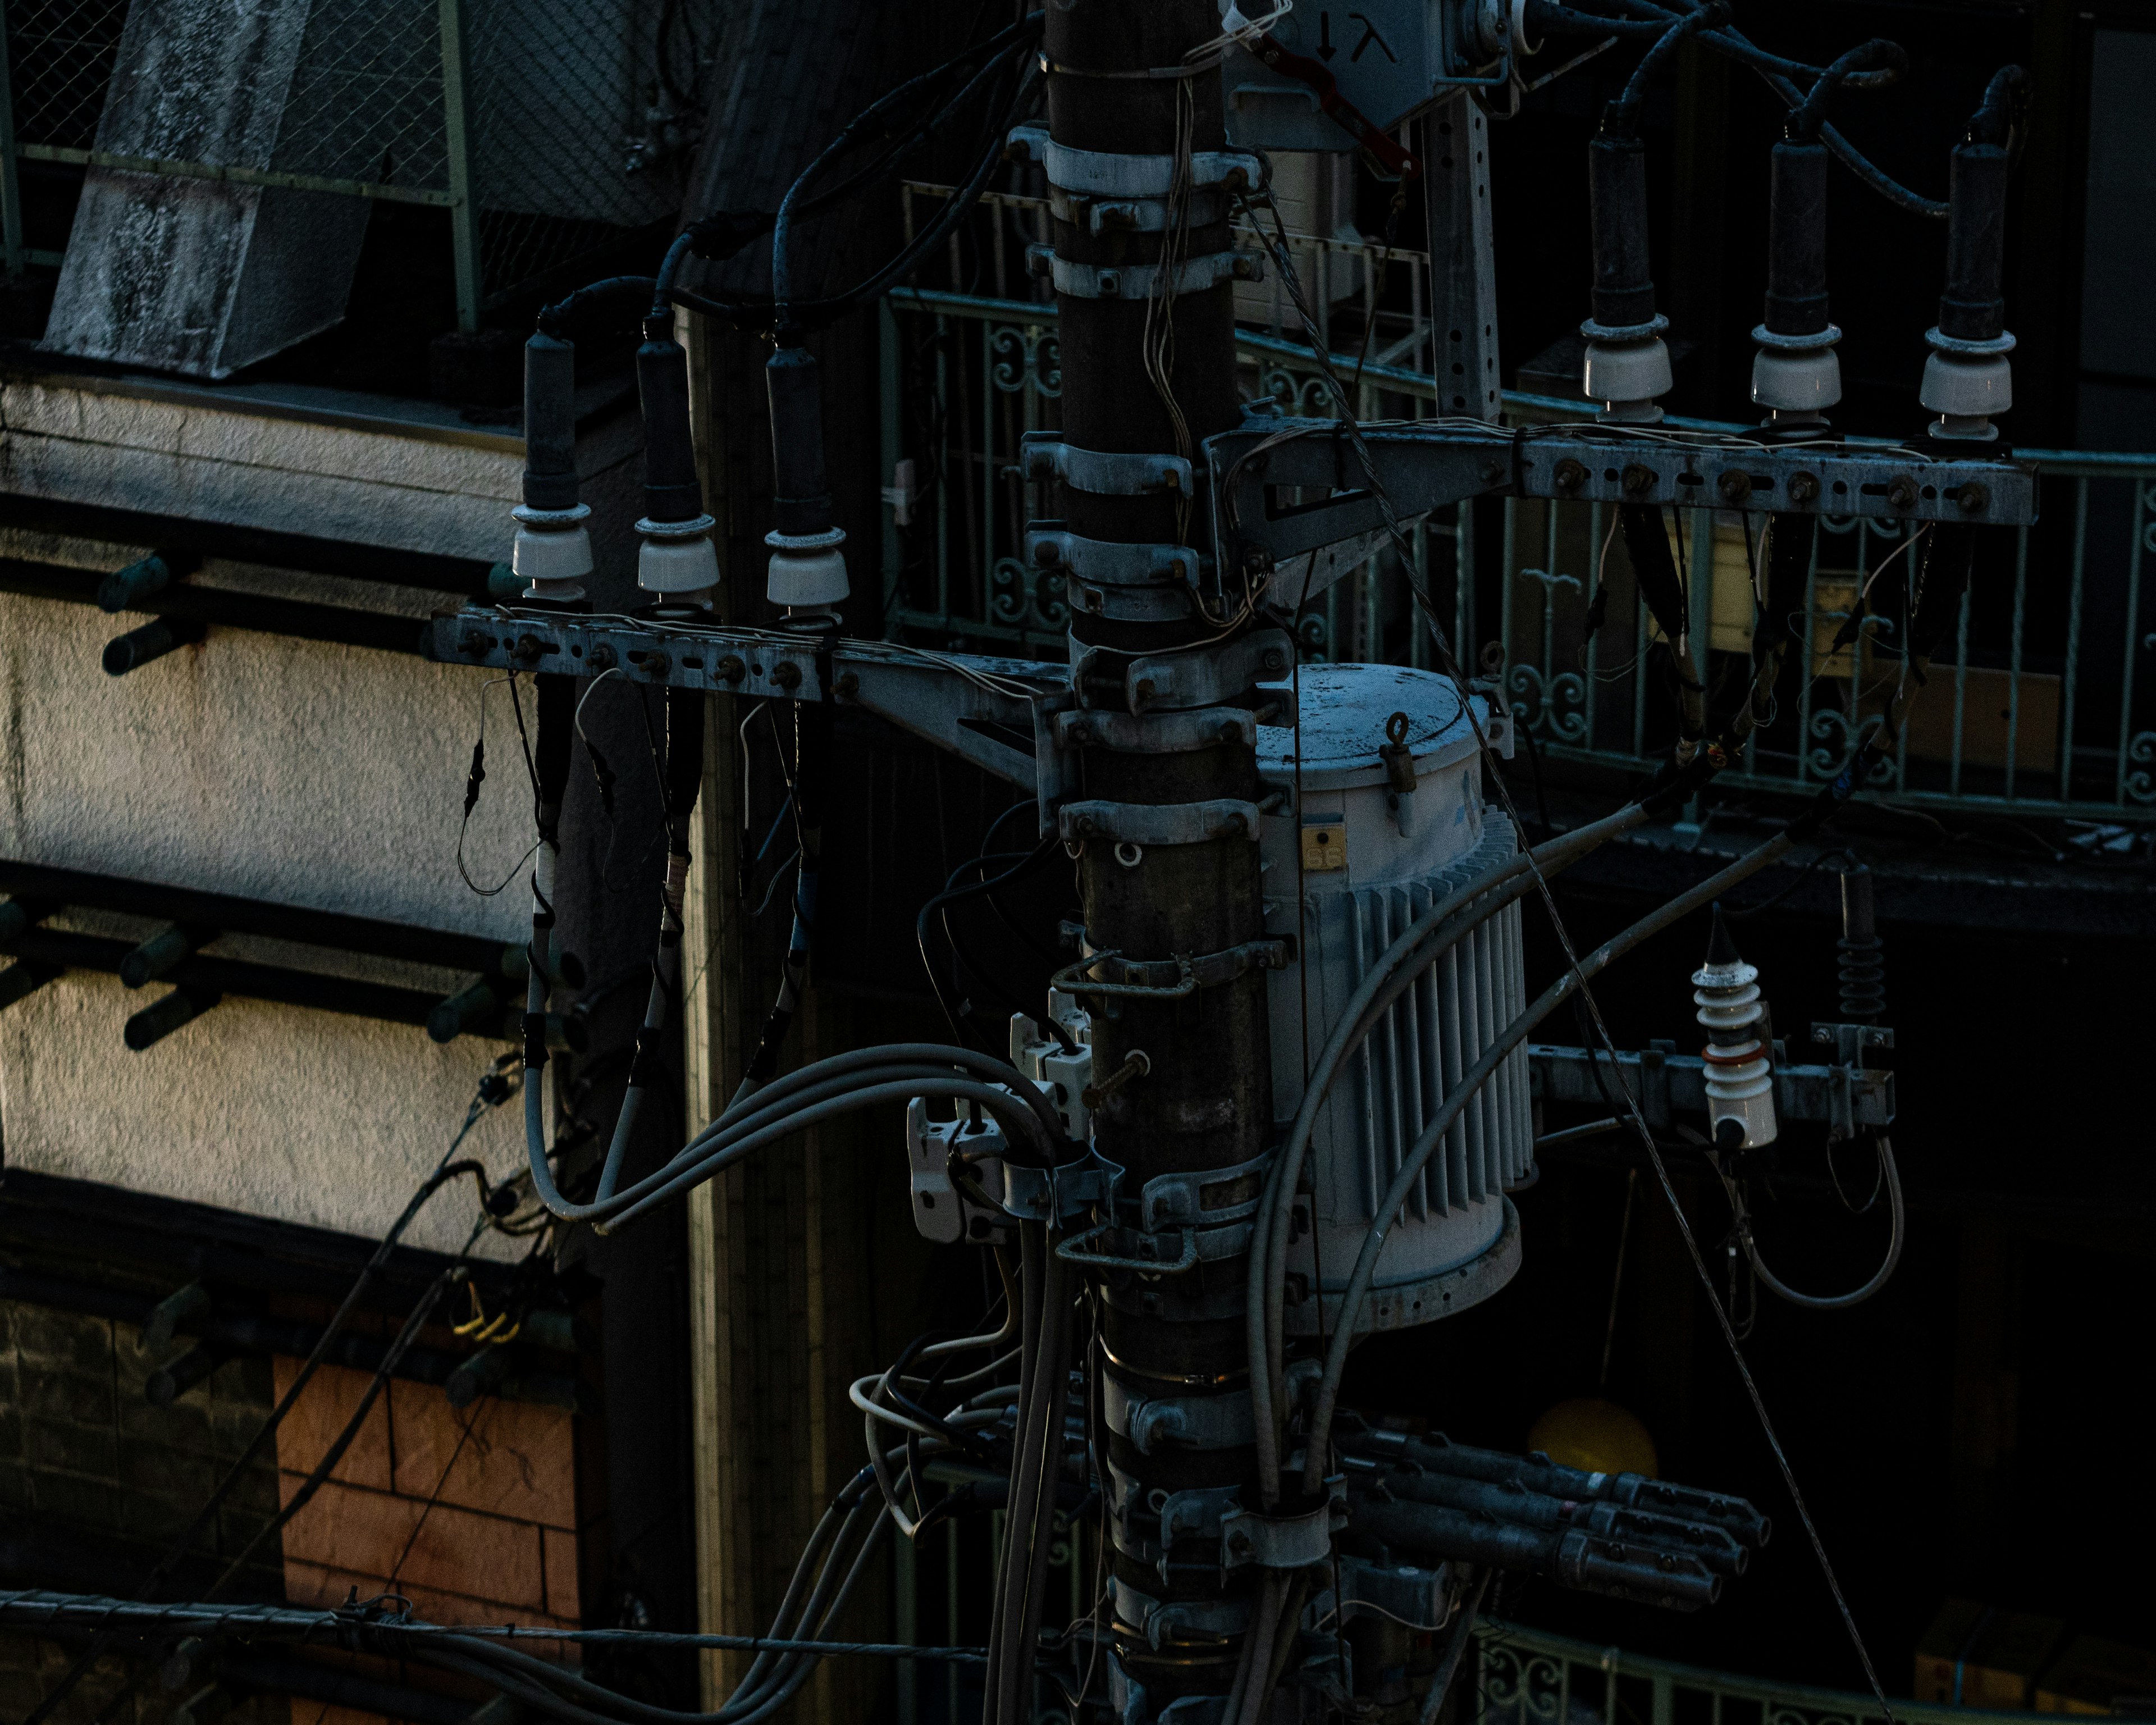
(796, 442)
(1796, 240)
(1974, 307)
(1720, 949)
(671, 492)
(1858, 922)
(1617, 197)
(550, 422)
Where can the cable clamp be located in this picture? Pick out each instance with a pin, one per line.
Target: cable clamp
(1142, 281)
(1207, 1198)
(1049, 547)
(1285, 1542)
(1102, 173)
(1146, 1250)
(1170, 733)
(1170, 978)
(1044, 455)
(1155, 1618)
(1144, 824)
(1156, 1424)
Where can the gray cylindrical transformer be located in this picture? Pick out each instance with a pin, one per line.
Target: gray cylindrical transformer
(1372, 856)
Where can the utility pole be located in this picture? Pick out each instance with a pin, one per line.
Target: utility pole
(1153, 770)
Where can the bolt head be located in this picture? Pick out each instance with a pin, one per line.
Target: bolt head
(1803, 487)
(1972, 497)
(1735, 486)
(1275, 659)
(1571, 475)
(1901, 492)
(1638, 481)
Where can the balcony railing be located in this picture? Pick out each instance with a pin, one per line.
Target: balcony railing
(2043, 706)
(1526, 1676)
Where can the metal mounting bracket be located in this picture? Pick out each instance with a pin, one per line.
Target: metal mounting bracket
(1208, 677)
(1172, 733)
(1288, 487)
(1044, 456)
(1192, 1422)
(1406, 1592)
(1159, 823)
(1667, 1084)
(1102, 173)
(1284, 1542)
(1049, 546)
(993, 711)
(1216, 1196)
(1103, 216)
(1142, 281)
(1212, 1619)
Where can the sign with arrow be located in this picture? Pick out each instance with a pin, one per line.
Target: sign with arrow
(1388, 60)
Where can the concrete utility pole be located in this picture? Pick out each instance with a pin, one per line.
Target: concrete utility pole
(1204, 1102)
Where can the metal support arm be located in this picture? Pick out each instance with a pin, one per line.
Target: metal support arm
(1284, 488)
(981, 708)
(1667, 1083)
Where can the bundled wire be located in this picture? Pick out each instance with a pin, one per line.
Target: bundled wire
(1650, 19)
(493, 1089)
(1000, 79)
(839, 1553)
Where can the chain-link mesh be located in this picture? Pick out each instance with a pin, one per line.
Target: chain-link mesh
(366, 100)
(60, 52)
(582, 113)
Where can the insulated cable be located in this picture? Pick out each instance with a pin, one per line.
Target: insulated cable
(1891, 1177)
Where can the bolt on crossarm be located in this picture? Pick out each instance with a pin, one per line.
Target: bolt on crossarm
(1168, 862)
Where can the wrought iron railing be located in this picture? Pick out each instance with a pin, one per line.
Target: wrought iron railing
(1526, 1677)
(2045, 705)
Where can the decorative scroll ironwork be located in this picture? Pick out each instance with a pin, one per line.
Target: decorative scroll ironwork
(2039, 703)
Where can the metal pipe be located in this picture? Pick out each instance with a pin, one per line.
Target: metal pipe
(159, 953)
(141, 646)
(161, 1018)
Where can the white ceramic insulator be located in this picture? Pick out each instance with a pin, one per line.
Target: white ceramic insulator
(1740, 1075)
(1805, 380)
(1627, 376)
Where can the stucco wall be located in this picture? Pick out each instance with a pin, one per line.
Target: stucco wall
(252, 764)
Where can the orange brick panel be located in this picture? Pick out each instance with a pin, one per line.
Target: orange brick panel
(320, 1413)
(520, 1460)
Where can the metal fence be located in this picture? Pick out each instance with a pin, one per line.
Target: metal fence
(521, 119)
(1524, 1676)
(2044, 707)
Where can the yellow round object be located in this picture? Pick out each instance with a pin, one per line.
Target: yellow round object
(1595, 1435)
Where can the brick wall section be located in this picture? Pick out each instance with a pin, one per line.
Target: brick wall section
(86, 1463)
(470, 1513)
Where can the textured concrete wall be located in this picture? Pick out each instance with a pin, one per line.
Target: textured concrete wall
(297, 772)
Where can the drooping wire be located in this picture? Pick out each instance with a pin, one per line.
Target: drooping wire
(495, 1089)
(1449, 665)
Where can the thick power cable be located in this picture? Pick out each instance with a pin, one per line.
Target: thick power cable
(1891, 1177)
